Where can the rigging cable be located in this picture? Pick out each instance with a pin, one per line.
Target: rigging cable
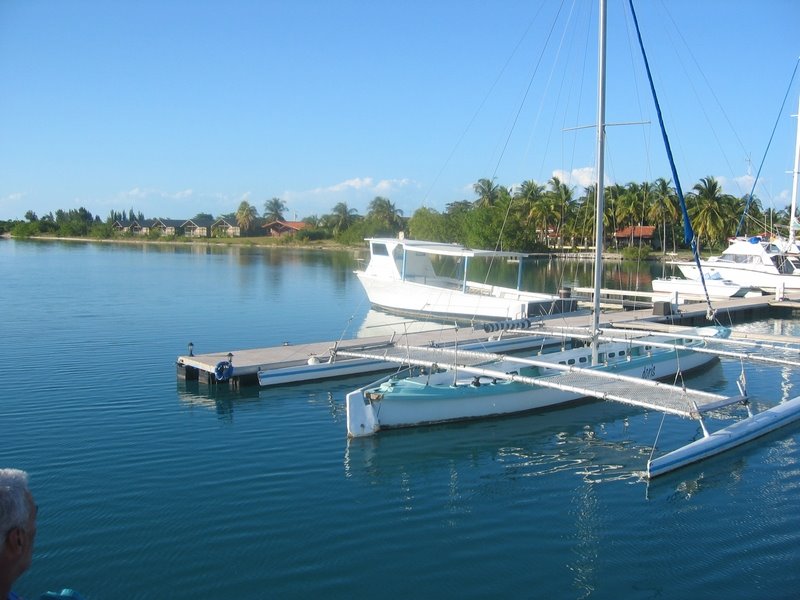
(763, 158)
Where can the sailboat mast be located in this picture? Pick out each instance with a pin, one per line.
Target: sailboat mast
(600, 199)
(795, 175)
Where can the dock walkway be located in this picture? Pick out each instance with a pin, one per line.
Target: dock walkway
(293, 363)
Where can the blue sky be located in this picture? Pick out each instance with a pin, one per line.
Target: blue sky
(174, 107)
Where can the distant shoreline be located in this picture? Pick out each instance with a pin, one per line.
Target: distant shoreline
(246, 242)
(328, 245)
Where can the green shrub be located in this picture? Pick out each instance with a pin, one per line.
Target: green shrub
(635, 253)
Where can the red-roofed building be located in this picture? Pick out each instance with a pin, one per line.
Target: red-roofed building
(634, 235)
(282, 228)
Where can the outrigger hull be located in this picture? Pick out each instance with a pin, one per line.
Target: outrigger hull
(727, 438)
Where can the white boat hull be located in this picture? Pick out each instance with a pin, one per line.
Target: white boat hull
(717, 288)
(487, 302)
(400, 277)
(742, 275)
(753, 262)
(435, 400)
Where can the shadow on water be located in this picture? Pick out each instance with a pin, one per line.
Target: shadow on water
(226, 401)
(219, 398)
(590, 440)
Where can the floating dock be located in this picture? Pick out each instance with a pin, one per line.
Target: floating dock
(297, 363)
(290, 363)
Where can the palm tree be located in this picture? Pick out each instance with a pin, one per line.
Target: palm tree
(274, 209)
(664, 209)
(488, 192)
(713, 213)
(245, 216)
(754, 214)
(313, 221)
(545, 212)
(342, 217)
(528, 195)
(561, 203)
(384, 211)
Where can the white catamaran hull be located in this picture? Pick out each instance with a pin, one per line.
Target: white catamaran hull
(734, 435)
(425, 400)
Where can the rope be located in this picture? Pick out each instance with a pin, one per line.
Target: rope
(658, 434)
(688, 233)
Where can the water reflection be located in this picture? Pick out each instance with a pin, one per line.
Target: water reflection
(219, 398)
(590, 440)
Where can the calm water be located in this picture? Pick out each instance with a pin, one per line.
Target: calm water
(151, 489)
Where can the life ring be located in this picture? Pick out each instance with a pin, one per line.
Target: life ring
(223, 370)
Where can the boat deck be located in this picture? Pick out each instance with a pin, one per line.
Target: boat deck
(310, 361)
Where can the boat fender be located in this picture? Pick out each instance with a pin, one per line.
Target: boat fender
(223, 370)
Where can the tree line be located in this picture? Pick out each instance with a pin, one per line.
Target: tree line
(534, 216)
(529, 217)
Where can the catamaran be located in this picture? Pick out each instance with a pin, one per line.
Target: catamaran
(400, 277)
(452, 384)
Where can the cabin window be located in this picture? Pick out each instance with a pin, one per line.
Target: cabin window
(380, 250)
(622, 352)
(561, 362)
(612, 354)
(582, 359)
(571, 361)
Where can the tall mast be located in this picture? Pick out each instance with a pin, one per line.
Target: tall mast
(600, 200)
(795, 174)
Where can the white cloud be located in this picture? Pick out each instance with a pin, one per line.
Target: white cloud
(360, 184)
(386, 186)
(581, 177)
(737, 186)
(356, 192)
(148, 193)
(357, 183)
